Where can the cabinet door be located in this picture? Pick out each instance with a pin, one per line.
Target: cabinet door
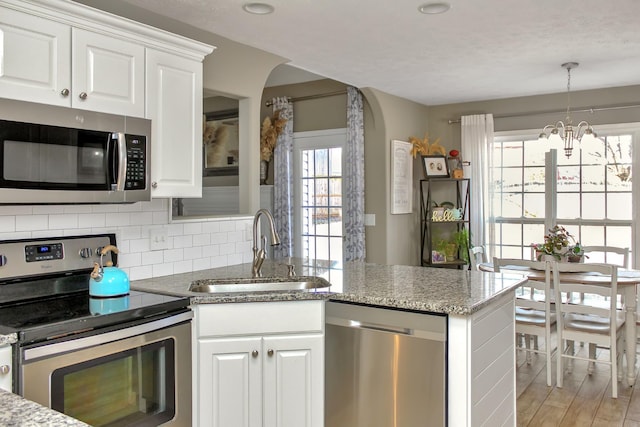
(229, 378)
(294, 381)
(174, 103)
(5, 368)
(108, 74)
(35, 58)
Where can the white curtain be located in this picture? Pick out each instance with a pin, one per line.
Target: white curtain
(477, 137)
(283, 180)
(353, 200)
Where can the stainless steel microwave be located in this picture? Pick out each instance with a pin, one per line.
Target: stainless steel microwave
(59, 155)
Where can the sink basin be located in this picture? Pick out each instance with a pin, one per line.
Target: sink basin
(259, 284)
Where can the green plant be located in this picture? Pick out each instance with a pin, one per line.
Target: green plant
(461, 238)
(558, 242)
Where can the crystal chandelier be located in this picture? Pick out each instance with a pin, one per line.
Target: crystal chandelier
(564, 133)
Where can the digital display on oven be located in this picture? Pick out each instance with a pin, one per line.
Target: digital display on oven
(44, 252)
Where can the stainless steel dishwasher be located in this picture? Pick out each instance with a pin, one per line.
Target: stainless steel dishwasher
(384, 367)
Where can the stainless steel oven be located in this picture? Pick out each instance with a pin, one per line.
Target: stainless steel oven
(123, 361)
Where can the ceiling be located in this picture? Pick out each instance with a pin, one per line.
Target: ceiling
(478, 50)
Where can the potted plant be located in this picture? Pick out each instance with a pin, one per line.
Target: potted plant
(461, 238)
(575, 253)
(559, 244)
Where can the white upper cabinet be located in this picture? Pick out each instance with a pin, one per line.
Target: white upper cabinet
(35, 58)
(174, 104)
(108, 74)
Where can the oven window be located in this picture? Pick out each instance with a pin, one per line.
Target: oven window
(135, 387)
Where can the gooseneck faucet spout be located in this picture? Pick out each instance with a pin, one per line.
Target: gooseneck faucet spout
(259, 254)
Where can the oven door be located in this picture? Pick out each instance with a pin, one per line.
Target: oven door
(137, 376)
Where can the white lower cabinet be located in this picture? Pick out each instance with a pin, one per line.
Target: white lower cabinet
(5, 367)
(253, 372)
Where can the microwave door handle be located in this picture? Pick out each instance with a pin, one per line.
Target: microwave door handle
(122, 161)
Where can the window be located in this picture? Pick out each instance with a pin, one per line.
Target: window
(592, 195)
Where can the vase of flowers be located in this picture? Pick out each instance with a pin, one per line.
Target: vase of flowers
(560, 245)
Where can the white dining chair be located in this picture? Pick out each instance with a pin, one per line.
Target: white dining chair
(607, 254)
(587, 320)
(535, 315)
(477, 256)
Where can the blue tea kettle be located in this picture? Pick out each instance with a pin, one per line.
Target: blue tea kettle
(108, 281)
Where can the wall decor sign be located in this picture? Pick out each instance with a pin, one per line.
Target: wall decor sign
(401, 177)
(435, 166)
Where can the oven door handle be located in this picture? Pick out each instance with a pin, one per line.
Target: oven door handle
(102, 338)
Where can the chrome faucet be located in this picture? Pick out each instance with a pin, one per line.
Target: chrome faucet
(259, 254)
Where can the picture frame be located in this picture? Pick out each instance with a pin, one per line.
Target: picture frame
(220, 143)
(435, 166)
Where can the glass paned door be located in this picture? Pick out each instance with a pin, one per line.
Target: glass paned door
(319, 188)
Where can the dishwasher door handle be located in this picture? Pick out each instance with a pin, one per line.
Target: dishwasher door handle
(381, 328)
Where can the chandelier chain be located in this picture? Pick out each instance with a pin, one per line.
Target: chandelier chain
(569, 95)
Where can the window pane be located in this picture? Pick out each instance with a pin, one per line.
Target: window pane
(534, 179)
(321, 163)
(593, 178)
(512, 154)
(619, 205)
(568, 178)
(593, 206)
(569, 206)
(592, 236)
(307, 163)
(335, 162)
(534, 205)
(511, 234)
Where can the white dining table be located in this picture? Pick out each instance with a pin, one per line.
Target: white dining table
(627, 282)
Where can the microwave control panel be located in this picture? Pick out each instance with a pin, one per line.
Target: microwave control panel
(136, 163)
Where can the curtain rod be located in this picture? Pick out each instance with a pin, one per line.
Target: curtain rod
(536, 113)
(304, 98)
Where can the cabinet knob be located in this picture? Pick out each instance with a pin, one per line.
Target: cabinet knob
(83, 95)
(154, 184)
(254, 353)
(64, 92)
(270, 352)
(4, 369)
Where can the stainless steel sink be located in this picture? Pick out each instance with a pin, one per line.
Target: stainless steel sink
(260, 284)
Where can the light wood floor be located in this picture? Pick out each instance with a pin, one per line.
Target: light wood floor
(584, 400)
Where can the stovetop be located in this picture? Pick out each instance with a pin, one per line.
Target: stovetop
(47, 297)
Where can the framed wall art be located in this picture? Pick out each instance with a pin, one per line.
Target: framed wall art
(435, 166)
(401, 177)
(220, 143)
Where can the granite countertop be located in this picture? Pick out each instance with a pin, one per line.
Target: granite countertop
(18, 411)
(435, 290)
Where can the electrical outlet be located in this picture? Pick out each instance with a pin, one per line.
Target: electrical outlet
(158, 239)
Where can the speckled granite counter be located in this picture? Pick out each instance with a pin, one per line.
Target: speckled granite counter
(8, 339)
(20, 412)
(435, 290)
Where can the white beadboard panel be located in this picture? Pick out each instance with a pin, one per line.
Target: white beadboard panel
(485, 326)
(7, 223)
(32, 222)
(483, 409)
(504, 415)
(485, 379)
(486, 354)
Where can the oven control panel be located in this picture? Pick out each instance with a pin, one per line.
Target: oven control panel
(47, 252)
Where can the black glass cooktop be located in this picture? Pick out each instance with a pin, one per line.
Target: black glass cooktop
(57, 316)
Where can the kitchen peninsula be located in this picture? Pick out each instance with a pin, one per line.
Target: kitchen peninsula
(478, 307)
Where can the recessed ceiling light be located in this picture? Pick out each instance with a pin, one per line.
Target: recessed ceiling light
(258, 8)
(434, 8)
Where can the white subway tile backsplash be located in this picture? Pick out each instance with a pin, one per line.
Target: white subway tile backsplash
(191, 245)
(32, 222)
(7, 224)
(63, 221)
(86, 220)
